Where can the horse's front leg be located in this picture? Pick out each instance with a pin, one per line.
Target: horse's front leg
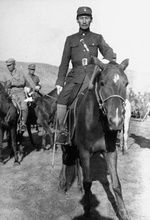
(62, 178)
(14, 144)
(30, 133)
(111, 160)
(47, 131)
(44, 134)
(122, 140)
(79, 175)
(87, 183)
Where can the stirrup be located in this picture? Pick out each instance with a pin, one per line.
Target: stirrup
(63, 138)
(23, 127)
(28, 99)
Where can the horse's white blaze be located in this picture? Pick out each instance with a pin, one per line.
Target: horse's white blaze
(116, 120)
(116, 78)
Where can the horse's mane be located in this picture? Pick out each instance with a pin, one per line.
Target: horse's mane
(2, 88)
(113, 62)
(53, 92)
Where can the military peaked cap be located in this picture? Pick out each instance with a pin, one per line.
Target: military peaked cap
(84, 11)
(31, 66)
(10, 61)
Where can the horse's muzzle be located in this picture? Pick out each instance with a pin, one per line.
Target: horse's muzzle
(116, 124)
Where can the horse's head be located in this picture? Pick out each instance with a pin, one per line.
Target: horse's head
(110, 90)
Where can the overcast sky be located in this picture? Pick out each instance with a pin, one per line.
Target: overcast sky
(35, 30)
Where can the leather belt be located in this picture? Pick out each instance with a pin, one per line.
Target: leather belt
(83, 62)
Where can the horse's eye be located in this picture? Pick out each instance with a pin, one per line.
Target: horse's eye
(102, 83)
(123, 111)
(126, 84)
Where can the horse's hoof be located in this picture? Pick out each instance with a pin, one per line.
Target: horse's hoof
(48, 147)
(6, 160)
(1, 160)
(63, 186)
(16, 163)
(80, 189)
(61, 190)
(125, 152)
(87, 214)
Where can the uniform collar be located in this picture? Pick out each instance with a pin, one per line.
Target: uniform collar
(31, 74)
(84, 32)
(13, 72)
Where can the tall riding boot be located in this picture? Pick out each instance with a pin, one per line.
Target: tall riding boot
(61, 113)
(24, 119)
(62, 135)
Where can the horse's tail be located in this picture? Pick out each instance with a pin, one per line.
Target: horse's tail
(70, 167)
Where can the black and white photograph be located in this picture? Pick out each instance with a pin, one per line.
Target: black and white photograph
(74, 110)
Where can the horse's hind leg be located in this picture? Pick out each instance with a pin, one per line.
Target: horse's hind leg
(87, 183)
(111, 160)
(1, 144)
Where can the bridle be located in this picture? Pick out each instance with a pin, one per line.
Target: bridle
(102, 101)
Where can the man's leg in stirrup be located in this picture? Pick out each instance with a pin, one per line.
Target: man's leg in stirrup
(62, 137)
(24, 119)
(24, 112)
(61, 114)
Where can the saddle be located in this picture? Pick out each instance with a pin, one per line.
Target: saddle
(70, 119)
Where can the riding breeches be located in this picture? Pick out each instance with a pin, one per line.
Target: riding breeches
(19, 98)
(64, 96)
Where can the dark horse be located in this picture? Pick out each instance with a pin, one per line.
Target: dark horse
(99, 117)
(42, 112)
(8, 122)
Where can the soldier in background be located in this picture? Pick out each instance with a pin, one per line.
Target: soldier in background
(36, 84)
(16, 84)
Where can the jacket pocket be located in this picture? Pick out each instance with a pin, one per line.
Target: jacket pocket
(93, 47)
(74, 44)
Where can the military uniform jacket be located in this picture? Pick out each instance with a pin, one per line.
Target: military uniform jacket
(74, 51)
(17, 81)
(35, 79)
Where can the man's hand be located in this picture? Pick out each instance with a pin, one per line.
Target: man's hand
(105, 61)
(26, 90)
(59, 89)
(37, 88)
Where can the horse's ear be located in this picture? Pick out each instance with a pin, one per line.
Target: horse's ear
(124, 64)
(98, 63)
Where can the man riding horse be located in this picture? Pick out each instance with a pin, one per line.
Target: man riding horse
(80, 55)
(16, 86)
(33, 85)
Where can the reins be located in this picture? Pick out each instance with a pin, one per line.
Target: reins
(51, 97)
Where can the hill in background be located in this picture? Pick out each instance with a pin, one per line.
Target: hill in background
(139, 82)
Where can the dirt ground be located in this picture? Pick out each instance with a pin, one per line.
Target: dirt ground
(30, 191)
